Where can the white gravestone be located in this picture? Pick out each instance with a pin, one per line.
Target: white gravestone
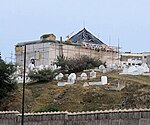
(101, 68)
(112, 66)
(92, 74)
(59, 76)
(104, 80)
(72, 78)
(83, 76)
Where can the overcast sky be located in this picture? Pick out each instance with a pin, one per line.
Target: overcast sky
(109, 20)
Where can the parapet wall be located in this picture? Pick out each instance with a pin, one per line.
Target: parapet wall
(111, 117)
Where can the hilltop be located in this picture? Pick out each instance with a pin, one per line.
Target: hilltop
(73, 98)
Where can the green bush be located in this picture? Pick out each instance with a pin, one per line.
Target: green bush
(48, 108)
(45, 75)
(62, 61)
(7, 82)
(77, 64)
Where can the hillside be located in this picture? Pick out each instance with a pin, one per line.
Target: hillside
(73, 98)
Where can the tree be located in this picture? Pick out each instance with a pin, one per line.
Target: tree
(7, 83)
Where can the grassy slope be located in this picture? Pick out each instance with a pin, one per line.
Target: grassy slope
(48, 96)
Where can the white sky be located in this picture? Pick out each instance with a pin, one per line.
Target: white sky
(26, 20)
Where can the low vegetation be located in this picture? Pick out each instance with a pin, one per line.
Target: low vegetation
(42, 97)
(79, 64)
(44, 75)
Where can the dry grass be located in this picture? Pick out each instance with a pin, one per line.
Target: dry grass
(49, 97)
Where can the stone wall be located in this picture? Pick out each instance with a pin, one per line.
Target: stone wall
(8, 118)
(111, 117)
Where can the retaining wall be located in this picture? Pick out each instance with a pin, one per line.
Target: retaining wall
(111, 117)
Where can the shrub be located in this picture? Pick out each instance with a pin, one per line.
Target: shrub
(48, 108)
(77, 64)
(45, 75)
(62, 61)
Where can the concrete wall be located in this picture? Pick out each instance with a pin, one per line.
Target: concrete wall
(117, 117)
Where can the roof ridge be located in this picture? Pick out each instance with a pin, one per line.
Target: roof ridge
(85, 35)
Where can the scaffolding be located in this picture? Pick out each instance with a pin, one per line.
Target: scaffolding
(45, 53)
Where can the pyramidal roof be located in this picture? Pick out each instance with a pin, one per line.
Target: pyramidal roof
(85, 36)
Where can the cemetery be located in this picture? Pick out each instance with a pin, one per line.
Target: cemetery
(71, 78)
(98, 88)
